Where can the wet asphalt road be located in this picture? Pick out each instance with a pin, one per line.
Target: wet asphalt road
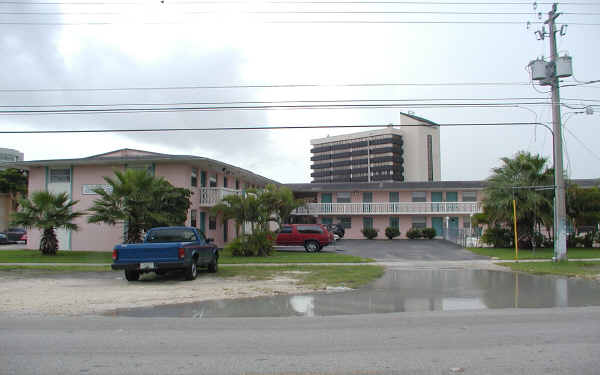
(421, 250)
(493, 342)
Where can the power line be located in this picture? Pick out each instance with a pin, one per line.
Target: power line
(169, 3)
(296, 12)
(581, 142)
(263, 86)
(260, 127)
(299, 22)
(273, 102)
(260, 108)
(309, 103)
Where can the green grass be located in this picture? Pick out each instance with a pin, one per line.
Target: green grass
(52, 268)
(509, 254)
(312, 276)
(294, 257)
(580, 269)
(34, 256)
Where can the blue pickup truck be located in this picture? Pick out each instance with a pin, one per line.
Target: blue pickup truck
(165, 249)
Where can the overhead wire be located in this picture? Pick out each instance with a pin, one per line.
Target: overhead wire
(267, 86)
(258, 127)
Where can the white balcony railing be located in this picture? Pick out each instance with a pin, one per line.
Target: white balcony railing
(390, 208)
(211, 196)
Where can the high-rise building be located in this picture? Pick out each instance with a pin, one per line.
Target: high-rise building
(8, 155)
(409, 152)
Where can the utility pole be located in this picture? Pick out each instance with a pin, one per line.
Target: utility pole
(549, 74)
(560, 225)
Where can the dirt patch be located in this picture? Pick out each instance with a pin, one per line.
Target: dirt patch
(32, 292)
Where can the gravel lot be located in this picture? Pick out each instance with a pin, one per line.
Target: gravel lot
(33, 292)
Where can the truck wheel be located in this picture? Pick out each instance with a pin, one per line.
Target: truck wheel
(214, 266)
(192, 271)
(132, 275)
(311, 246)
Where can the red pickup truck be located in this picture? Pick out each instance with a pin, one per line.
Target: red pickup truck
(312, 236)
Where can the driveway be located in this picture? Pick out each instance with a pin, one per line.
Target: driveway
(390, 250)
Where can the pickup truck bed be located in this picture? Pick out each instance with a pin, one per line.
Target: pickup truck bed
(165, 249)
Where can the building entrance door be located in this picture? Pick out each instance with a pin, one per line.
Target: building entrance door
(438, 224)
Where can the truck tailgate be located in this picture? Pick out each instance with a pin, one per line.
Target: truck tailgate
(148, 252)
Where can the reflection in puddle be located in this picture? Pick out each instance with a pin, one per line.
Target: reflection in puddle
(401, 291)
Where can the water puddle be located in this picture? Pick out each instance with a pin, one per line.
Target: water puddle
(400, 291)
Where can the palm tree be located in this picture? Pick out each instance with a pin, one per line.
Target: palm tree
(47, 212)
(238, 208)
(521, 179)
(281, 201)
(140, 201)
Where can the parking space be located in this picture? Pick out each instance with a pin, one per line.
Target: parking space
(390, 250)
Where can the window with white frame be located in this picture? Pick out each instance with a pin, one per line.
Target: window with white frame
(345, 221)
(467, 222)
(343, 197)
(419, 196)
(60, 175)
(194, 178)
(193, 218)
(419, 222)
(469, 196)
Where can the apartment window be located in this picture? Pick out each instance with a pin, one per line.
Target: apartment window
(395, 222)
(212, 223)
(193, 218)
(467, 222)
(469, 196)
(419, 222)
(394, 196)
(367, 222)
(203, 179)
(237, 184)
(224, 181)
(343, 197)
(429, 158)
(419, 196)
(212, 181)
(345, 221)
(60, 175)
(194, 179)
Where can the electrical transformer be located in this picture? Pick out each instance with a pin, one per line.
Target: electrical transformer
(538, 69)
(564, 66)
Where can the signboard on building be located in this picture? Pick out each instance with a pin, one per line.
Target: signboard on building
(89, 189)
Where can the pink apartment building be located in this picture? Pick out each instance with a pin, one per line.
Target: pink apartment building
(446, 206)
(209, 180)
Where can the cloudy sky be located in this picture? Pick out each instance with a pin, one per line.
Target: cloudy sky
(156, 47)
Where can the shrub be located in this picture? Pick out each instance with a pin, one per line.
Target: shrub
(414, 233)
(370, 233)
(255, 244)
(588, 239)
(428, 233)
(498, 237)
(392, 232)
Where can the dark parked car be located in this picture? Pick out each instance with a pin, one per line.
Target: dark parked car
(15, 234)
(312, 236)
(336, 229)
(3, 238)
